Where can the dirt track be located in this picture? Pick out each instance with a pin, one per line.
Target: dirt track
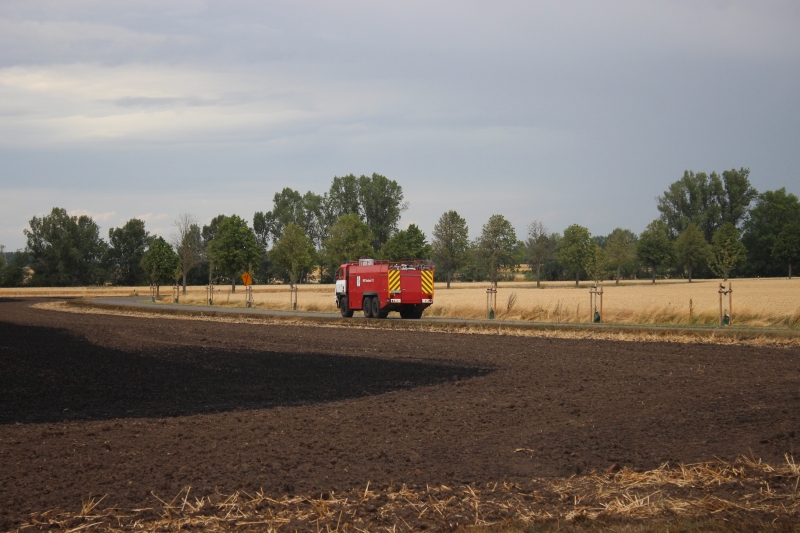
(124, 406)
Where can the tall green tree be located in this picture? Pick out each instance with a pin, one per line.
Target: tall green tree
(348, 238)
(773, 210)
(65, 250)
(234, 248)
(291, 207)
(728, 251)
(206, 271)
(706, 200)
(263, 226)
(188, 243)
(382, 205)
(620, 248)
(160, 262)
(123, 257)
(654, 247)
(574, 248)
(692, 249)
(409, 243)
(342, 199)
(210, 230)
(738, 196)
(450, 243)
(693, 199)
(498, 247)
(787, 245)
(294, 252)
(539, 248)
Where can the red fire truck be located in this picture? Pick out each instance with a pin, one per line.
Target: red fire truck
(379, 287)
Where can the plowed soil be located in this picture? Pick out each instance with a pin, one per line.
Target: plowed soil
(93, 404)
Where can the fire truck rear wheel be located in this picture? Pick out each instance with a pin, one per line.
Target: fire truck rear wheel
(376, 307)
(344, 307)
(367, 306)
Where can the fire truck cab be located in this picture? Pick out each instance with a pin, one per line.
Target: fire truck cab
(380, 287)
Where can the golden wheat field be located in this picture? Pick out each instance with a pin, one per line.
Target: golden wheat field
(755, 302)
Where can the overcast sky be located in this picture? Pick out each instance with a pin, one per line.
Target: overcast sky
(572, 112)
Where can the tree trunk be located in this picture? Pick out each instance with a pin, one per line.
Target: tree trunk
(233, 283)
(448, 278)
(790, 271)
(619, 268)
(184, 282)
(690, 273)
(538, 276)
(157, 289)
(654, 274)
(577, 276)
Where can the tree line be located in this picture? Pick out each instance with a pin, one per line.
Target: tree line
(709, 225)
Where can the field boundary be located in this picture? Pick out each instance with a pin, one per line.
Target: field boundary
(562, 330)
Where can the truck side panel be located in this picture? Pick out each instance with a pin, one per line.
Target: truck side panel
(368, 280)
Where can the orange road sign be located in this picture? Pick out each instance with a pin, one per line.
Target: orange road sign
(246, 279)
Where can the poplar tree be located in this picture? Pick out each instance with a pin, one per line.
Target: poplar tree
(450, 243)
(787, 245)
(539, 247)
(159, 262)
(620, 247)
(234, 248)
(497, 246)
(348, 238)
(188, 242)
(654, 247)
(294, 252)
(692, 249)
(574, 248)
(727, 250)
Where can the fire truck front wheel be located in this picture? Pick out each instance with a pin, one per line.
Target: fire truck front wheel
(344, 307)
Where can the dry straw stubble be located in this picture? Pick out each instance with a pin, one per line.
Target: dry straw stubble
(744, 490)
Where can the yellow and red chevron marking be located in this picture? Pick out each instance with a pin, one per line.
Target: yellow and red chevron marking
(394, 281)
(427, 282)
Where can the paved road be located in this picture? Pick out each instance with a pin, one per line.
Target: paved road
(136, 302)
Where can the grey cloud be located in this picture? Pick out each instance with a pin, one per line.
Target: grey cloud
(534, 108)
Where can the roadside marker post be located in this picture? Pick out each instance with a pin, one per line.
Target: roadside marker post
(595, 294)
(725, 311)
(491, 301)
(247, 280)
